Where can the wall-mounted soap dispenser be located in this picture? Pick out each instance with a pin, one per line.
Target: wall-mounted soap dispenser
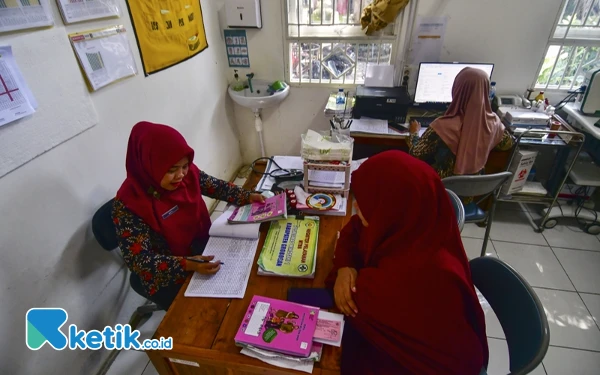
(243, 14)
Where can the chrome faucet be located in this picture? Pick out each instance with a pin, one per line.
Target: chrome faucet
(250, 76)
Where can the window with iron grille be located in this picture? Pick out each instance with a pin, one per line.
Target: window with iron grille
(573, 48)
(326, 44)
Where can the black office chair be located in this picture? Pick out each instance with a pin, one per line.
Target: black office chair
(518, 309)
(105, 233)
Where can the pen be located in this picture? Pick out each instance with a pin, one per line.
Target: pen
(200, 260)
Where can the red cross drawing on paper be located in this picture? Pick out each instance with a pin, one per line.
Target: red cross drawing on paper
(6, 90)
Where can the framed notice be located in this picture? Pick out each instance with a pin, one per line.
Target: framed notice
(167, 32)
(237, 48)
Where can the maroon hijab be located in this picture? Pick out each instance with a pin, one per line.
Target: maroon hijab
(180, 216)
(417, 306)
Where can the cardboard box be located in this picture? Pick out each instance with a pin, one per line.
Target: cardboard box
(520, 167)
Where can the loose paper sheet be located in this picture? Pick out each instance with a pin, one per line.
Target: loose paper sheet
(104, 55)
(16, 100)
(25, 14)
(79, 10)
(428, 39)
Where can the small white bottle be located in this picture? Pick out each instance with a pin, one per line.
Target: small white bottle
(340, 98)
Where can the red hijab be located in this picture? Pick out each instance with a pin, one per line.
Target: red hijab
(470, 128)
(417, 306)
(180, 216)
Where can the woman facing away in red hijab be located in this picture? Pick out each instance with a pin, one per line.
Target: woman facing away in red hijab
(159, 214)
(460, 142)
(402, 278)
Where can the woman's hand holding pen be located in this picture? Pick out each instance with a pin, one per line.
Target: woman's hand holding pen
(208, 268)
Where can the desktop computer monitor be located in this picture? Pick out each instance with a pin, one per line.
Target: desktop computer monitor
(435, 80)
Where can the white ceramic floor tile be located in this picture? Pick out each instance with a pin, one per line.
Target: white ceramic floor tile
(515, 226)
(129, 362)
(537, 264)
(570, 322)
(149, 327)
(150, 370)
(592, 301)
(499, 359)
(563, 361)
(510, 206)
(492, 325)
(473, 247)
(473, 231)
(221, 206)
(571, 237)
(583, 267)
(239, 181)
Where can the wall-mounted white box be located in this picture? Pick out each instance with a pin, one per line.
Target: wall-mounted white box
(243, 14)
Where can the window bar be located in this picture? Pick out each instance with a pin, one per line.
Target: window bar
(309, 11)
(356, 48)
(579, 67)
(299, 61)
(569, 61)
(320, 62)
(571, 21)
(348, 12)
(554, 67)
(310, 71)
(360, 12)
(378, 51)
(345, 53)
(588, 13)
(298, 17)
(330, 75)
(322, 12)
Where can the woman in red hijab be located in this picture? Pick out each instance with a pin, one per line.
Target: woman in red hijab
(460, 142)
(402, 277)
(159, 214)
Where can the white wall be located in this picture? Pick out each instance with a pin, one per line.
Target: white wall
(49, 257)
(511, 33)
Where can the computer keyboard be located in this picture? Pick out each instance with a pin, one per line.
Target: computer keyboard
(424, 121)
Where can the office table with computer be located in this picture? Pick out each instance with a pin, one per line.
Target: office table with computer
(433, 95)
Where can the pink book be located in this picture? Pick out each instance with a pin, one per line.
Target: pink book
(273, 208)
(278, 326)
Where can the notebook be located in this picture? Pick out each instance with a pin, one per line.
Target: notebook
(290, 249)
(278, 326)
(235, 246)
(273, 208)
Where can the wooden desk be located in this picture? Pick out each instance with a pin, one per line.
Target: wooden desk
(203, 329)
(367, 145)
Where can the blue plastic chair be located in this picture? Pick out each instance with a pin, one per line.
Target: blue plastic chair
(518, 309)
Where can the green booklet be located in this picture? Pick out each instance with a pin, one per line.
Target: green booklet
(290, 249)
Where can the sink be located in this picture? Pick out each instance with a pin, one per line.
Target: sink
(260, 98)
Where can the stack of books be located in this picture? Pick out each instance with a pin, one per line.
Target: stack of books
(287, 334)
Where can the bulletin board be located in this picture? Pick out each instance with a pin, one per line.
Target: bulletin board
(65, 109)
(168, 32)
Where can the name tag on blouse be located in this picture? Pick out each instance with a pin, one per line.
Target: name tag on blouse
(170, 212)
